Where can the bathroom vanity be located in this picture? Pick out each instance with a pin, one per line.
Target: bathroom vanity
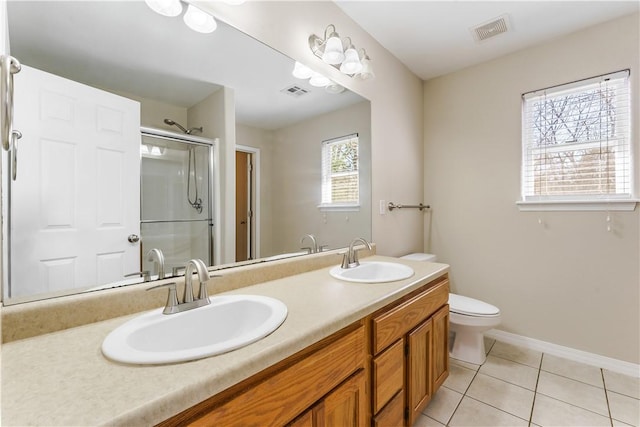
(347, 354)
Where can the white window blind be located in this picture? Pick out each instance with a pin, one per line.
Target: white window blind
(340, 175)
(576, 141)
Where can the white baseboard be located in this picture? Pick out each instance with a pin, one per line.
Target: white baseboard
(593, 359)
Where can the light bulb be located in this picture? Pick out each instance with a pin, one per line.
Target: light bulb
(366, 72)
(301, 71)
(165, 7)
(199, 21)
(333, 51)
(318, 80)
(351, 64)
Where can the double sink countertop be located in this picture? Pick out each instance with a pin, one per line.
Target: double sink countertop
(62, 378)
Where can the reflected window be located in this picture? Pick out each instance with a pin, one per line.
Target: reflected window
(340, 172)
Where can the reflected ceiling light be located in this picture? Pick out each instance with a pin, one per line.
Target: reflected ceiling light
(318, 80)
(199, 20)
(165, 7)
(196, 18)
(330, 49)
(301, 71)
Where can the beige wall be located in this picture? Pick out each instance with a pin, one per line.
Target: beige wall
(297, 177)
(396, 104)
(566, 281)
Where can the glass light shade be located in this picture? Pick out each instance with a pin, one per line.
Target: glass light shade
(199, 21)
(367, 70)
(333, 51)
(351, 64)
(301, 71)
(318, 80)
(165, 7)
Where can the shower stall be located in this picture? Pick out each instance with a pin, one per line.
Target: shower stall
(177, 198)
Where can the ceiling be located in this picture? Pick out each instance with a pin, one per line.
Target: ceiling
(433, 38)
(125, 47)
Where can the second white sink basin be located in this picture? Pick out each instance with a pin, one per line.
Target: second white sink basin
(373, 272)
(228, 323)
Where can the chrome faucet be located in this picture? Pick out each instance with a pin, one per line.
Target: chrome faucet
(314, 244)
(156, 255)
(203, 277)
(173, 305)
(350, 258)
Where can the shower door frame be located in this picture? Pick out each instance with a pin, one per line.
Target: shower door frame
(215, 244)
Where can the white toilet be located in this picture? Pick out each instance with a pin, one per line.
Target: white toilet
(468, 320)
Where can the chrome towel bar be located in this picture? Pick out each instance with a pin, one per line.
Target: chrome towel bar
(8, 67)
(393, 206)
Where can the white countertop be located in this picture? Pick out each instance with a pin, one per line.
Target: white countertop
(63, 379)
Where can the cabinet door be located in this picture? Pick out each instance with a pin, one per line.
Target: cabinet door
(419, 369)
(440, 346)
(345, 406)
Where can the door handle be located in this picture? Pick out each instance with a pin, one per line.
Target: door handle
(133, 238)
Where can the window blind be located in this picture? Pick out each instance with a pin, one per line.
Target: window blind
(576, 141)
(340, 175)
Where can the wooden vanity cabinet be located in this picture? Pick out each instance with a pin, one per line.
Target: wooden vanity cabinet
(410, 354)
(324, 384)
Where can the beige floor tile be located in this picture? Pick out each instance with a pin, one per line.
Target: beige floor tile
(551, 412)
(573, 392)
(467, 365)
(624, 408)
(617, 423)
(511, 372)
(424, 421)
(443, 404)
(516, 354)
(623, 384)
(510, 398)
(488, 344)
(574, 370)
(474, 413)
(459, 378)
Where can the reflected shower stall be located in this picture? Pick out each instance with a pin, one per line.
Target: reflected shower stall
(177, 195)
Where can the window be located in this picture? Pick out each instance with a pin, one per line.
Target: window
(576, 143)
(340, 176)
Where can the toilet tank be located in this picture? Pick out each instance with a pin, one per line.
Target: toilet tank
(420, 257)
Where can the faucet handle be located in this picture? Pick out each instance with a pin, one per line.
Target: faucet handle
(323, 248)
(172, 300)
(146, 275)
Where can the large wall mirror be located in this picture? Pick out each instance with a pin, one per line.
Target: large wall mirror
(139, 133)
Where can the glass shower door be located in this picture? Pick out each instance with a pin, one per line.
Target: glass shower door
(176, 209)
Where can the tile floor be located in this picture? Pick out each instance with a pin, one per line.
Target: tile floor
(521, 387)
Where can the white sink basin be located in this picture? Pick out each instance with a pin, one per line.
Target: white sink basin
(373, 272)
(228, 323)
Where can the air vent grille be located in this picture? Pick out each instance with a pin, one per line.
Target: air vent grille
(295, 91)
(490, 29)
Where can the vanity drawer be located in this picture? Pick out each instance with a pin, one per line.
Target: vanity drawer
(396, 322)
(388, 375)
(392, 414)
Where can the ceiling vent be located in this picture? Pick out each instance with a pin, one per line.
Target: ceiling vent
(490, 29)
(295, 91)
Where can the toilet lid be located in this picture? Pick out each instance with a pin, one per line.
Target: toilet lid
(472, 307)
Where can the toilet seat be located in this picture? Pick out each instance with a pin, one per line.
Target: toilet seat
(471, 307)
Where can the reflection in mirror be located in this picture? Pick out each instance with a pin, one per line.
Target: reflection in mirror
(108, 80)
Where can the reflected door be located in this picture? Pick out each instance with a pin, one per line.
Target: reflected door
(243, 210)
(76, 198)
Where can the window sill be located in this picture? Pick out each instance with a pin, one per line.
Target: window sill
(578, 205)
(339, 208)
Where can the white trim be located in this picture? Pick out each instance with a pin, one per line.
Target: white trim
(338, 208)
(578, 205)
(604, 362)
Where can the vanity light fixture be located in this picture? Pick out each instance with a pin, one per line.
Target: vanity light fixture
(330, 49)
(195, 18)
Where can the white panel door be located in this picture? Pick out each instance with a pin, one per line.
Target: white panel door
(77, 196)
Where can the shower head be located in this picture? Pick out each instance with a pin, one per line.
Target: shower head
(172, 123)
(187, 131)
